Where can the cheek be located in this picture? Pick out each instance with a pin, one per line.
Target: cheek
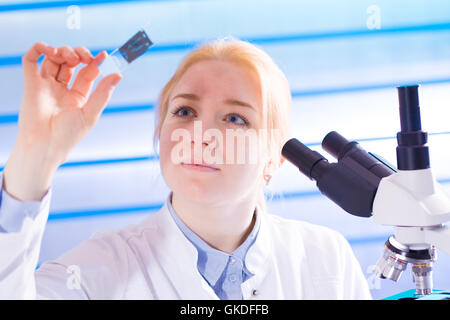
(164, 141)
(244, 156)
(165, 146)
(244, 147)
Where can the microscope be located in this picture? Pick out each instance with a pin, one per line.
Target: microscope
(407, 197)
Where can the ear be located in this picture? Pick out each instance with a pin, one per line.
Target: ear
(269, 168)
(274, 168)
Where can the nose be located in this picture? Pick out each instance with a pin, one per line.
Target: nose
(204, 131)
(202, 137)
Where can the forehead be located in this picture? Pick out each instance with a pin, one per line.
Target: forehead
(221, 80)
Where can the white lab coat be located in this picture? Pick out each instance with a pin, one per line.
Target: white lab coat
(154, 260)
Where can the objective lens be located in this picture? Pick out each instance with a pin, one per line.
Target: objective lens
(396, 257)
(423, 278)
(390, 265)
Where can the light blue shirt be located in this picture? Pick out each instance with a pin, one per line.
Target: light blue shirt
(224, 272)
(13, 212)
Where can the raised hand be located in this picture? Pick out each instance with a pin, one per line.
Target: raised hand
(53, 118)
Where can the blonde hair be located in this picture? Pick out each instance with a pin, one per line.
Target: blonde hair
(276, 95)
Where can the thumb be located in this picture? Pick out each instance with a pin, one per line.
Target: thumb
(100, 97)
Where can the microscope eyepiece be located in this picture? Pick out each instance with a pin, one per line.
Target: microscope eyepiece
(351, 182)
(408, 99)
(302, 157)
(412, 154)
(337, 145)
(351, 153)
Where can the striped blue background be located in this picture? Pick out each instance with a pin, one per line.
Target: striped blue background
(342, 74)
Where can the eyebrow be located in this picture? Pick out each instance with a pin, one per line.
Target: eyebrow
(189, 96)
(235, 102)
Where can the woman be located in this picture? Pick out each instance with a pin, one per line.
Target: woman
(213, 237)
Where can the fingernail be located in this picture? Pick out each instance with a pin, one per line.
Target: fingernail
(99, 57)
(50, 50)
(116, 80)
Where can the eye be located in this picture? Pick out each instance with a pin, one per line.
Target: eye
(234, 118)
(237, 119)
(183, 112)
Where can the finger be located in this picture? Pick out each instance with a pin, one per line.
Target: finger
(84, 54)
(70, 57)
(52, 63)
(29, 60)
(65, 73)
(86, 76)
(49, 68)
(99, 98)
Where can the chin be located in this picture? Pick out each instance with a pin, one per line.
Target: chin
(194, 188)
(198, 192)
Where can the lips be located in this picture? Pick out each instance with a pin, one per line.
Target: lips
(200, 167)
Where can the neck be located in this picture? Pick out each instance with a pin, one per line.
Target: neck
(223, 227)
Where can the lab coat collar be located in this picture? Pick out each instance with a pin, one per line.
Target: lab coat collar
(178, 256)
(214, 260)
(259, 252)
(211, 262)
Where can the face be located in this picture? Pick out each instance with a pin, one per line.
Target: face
(208, 151)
